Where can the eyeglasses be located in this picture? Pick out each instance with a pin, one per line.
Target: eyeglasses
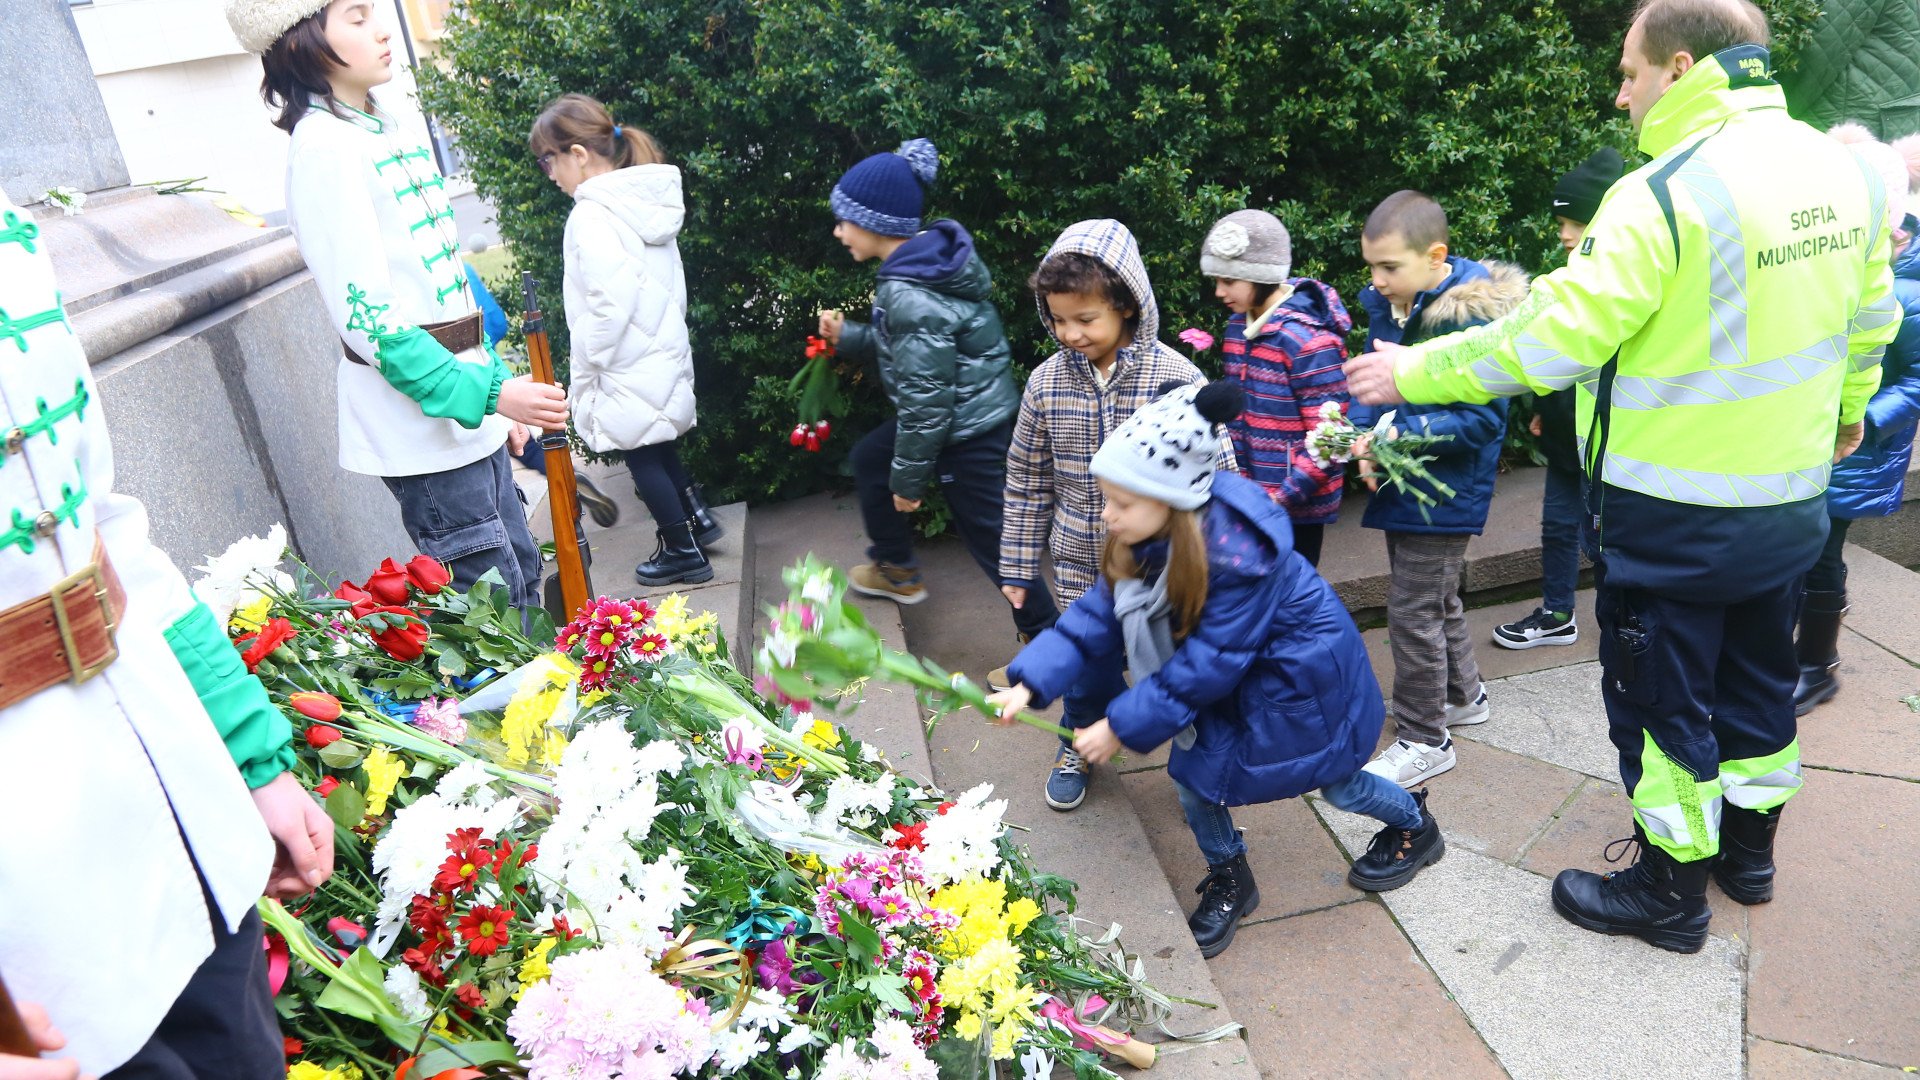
(545, 161)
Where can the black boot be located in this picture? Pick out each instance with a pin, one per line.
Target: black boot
(707, 529)
(605, 511)
(1819, 648)
(1395, 855)
(1658, 899)
(677, 560)
(1745, 866)
(1226, 894)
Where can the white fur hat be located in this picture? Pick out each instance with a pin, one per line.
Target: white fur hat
(257, 24)
(1891, 164)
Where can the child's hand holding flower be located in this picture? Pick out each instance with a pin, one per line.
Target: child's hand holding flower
(1097, 743)
(1008, 704)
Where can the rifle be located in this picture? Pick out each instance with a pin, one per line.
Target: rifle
(575, 588)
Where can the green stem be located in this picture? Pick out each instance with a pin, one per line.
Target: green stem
(904, 668)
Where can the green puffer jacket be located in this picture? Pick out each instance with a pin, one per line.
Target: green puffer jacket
(1862, 64)
(942, 353)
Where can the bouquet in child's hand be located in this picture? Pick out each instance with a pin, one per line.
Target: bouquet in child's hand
(1335, 441)
(817, 387)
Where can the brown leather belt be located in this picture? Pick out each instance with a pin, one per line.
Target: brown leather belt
(64, 636)
(455, 335)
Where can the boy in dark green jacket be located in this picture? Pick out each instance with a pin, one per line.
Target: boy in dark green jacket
(937, 340)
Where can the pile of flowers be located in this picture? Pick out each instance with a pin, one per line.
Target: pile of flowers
(605, 853)
(1398, 455)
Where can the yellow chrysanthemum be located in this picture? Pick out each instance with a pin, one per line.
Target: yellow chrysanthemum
(384, 770)
(307, 1070)
(822, 735)
(534, 968)
(671, 616)
(1020, 914)
(249, 617)
(524, 726)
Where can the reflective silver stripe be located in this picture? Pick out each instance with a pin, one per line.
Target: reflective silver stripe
(1870, 359)
(1718, 385)
(1726, 264)
(1713, 489)
(1495, 378)
(1761, 792)
(1874, 316)
(1670, 822)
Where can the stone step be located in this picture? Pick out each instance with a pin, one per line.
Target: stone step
(1104, 846)
(620, 547)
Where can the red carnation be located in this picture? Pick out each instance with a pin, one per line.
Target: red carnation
(320, 736)
(911, 837)
(485, 929)
(388, 584)
(427, 575)
(468, 1000)
(276, 633)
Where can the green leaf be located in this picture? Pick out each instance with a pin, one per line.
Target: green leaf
(342, 754)
(890, 990)
(452, 663)
(457, 1055)
(346, 805)
(863, 941)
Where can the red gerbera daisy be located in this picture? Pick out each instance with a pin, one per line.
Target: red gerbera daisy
(485, 929)
(458, 874)
(651, 646)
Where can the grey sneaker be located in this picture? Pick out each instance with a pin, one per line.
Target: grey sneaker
(1473, 712)
(1410, 764)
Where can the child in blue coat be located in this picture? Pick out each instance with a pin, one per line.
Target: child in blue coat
(1240, 653)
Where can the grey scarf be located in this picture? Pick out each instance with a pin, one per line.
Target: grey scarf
(1146, 624)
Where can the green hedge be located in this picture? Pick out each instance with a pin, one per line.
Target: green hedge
(1163, 113)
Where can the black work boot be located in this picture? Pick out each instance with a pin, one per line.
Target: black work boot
(1395, 855)
(678, 560)
(1745, 866)
(605, 512)
(1227, 894)
(1818, 646)
(1658, 899)
(707, 529)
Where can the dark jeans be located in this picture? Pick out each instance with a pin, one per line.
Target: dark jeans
(1085, 702)
(222, 1026)
(471, 519)
(1362, 793)
(1829, 573)
(660, 478)
(1307, 540)
(1710, 686)
(1562, 517)
(973, 476)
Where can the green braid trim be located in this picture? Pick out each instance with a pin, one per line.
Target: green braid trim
(73, 406)
(17, 328)
(19, 230)
(419, 152)
(21, 534)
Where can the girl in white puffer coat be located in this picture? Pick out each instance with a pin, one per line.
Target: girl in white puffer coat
(626, 301)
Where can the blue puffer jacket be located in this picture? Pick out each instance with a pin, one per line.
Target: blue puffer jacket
(1871, 481)
(1274, 678)
(1470, 295)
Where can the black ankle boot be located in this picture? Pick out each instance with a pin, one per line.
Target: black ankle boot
(1658, 899)
(1818, 647)
(1745, 866)
(677, 560)
(1395, 855)
(1227, 894)
(707, 529)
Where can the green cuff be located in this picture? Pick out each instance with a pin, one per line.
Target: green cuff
(425, 371)
(500, 375)
(258, 736)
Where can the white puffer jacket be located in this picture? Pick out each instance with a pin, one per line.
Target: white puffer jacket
(627, 309)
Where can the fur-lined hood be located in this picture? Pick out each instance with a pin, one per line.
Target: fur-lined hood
(1478, 300)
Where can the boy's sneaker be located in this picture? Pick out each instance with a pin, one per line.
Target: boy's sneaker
(998, 679)
(899, 584)
(1543, 627)
(1473, 712)
(1395, 855)
(1409, 763)
(1067, 783)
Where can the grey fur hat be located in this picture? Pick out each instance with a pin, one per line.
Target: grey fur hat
(1248, 245)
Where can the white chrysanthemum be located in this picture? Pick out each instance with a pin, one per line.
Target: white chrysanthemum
(854, 802)
(798, 1036)
(765, 1009)
(231, 578)
(733, 1050)
(961, 842)
(662, 756)
(403, 987)
(469, 784)
(664, 881)
(1229, 240)
(416, 844)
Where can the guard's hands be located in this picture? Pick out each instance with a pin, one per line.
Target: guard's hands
(1847, 439)
(1370, 375)
(831, 323)
(47, 1038)
(1009, 703)
(905, 505)
(302, 837)
(517, 439)
(525, 401)
(1097, 743)
(1015, 594)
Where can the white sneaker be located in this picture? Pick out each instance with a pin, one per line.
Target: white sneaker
(1411, 764)
(1473, 712)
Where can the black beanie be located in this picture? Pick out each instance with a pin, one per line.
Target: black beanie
(1577, 196)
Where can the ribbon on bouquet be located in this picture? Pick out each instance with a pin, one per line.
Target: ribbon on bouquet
(1088, 1035)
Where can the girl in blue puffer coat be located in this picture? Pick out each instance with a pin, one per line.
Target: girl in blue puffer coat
(1872, 480)
(1241, 655)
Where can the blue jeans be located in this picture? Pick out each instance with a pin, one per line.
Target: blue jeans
(1361, 793)
(1562, 522)
(1085, 702)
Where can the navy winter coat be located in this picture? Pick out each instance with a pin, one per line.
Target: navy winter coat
(1871, 481)
(1470, 295)
(1274, 678)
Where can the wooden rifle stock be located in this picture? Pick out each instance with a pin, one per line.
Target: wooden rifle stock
(562, 498)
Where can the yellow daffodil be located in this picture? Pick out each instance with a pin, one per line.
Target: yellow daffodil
(384, 770)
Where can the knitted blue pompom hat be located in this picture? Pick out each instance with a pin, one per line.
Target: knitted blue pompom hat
(885, 193)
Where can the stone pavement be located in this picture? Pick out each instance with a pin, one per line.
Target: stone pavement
(1468, 971)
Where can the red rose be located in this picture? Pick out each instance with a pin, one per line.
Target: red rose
(314, 705)
(388, 584)
(406, 640)
(259, 646)
(322, 735)
(427, 574)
